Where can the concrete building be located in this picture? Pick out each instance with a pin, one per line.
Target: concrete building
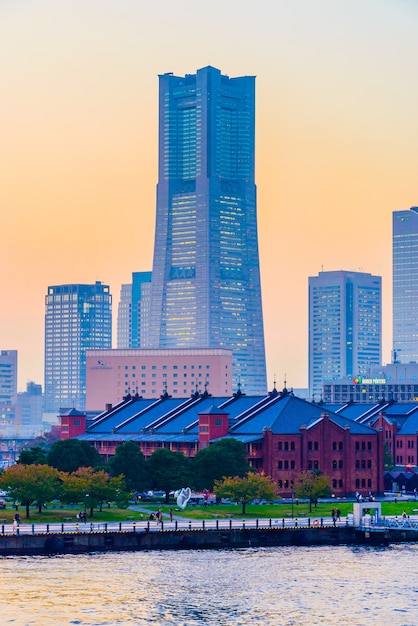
(30, 403)
(134, 311)
(345, 322)
(206, 290)
(405, 286)
(8, 377)
(113, 374)
(393, 382)
(77, 317)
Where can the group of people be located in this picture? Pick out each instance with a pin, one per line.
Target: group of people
(82, 516)
(336, 516)
(158, 516)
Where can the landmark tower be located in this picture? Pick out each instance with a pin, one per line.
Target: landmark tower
(206, 289)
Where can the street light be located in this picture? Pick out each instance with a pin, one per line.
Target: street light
(85, 507)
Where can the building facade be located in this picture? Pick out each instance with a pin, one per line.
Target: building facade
(405, 285)
(345, 326)
(134, 311)
(206, 290)
(114, 374)
(31, 403)
(8, 377)
(283, 435)
(393, 382)
(77, 317)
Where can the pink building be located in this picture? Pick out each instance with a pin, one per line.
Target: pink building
(113, 374)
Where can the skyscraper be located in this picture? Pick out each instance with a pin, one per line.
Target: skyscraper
(345, 326)
(405, 285)
(206, 280)
(77, 317)
(8, 377)
(133, 311)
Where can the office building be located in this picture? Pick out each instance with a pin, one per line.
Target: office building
(8, 377)
(345, 320)
(77, 317)
(133, 311)
(114, 374)
(30, 403)
(206, 289)
(405, 286)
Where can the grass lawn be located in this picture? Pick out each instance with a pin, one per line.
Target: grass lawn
(213, 511)
(280, 510)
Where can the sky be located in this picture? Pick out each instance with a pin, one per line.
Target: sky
(336, 146)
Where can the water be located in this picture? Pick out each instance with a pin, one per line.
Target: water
(270, 587)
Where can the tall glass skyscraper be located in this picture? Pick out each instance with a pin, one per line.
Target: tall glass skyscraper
(405, 285)
(77, 317)
(133, 311)
(205, 279)
(345, 326)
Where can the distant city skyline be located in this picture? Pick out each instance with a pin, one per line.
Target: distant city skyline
(335, 147)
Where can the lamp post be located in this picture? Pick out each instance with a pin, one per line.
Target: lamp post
(293, 497)
(85, 507)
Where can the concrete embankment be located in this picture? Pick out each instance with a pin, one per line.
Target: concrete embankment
(84, 542)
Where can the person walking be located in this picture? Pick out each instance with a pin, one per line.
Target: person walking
(171, 514)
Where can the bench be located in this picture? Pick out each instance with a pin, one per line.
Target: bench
(67, 519)
(130, 517)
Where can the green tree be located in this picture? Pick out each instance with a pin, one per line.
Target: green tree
(33, 456)
(31, 483)
(226, 457)
(247, 488)
(70, 454)
(129, 461)
(168, 470)
(92, 487)
(311, 485)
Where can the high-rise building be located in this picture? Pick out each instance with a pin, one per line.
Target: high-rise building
(8, 377)
(345, 326)
(206, 289)
(30, 403)
(133, 311)
(405, 286)
(77, 317)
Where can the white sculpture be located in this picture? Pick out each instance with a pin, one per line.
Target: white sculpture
(183, 497)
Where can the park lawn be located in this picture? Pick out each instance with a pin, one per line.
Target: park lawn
(222, 511)
(278, 511)
(50, 515)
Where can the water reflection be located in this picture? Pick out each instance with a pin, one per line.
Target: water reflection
(272, 586)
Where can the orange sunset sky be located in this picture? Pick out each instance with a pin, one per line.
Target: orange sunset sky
(336, 146)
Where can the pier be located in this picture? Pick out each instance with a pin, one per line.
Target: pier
(70, 538)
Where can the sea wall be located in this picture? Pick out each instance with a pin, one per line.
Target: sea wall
(83, 542)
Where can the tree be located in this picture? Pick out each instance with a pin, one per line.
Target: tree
(226, 457)
(130, 462)
(245, 489)
(311, 485)
(33, 456)
(70, 454)
(92, 488)
(168, 470)
(31, 483)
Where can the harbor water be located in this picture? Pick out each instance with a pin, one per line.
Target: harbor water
(271, 587)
